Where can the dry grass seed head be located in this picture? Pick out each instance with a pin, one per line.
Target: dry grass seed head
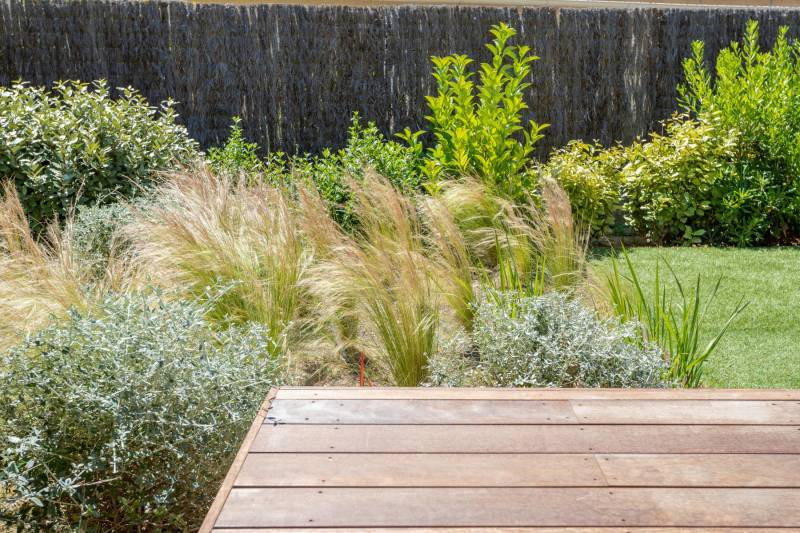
(207, 231)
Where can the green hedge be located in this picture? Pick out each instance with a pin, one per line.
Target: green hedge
(76, 144)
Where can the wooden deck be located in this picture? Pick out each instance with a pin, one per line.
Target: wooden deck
(527, 460)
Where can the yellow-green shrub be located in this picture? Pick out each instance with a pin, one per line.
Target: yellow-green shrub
(671, 183)
(477, 126)
(590, 175)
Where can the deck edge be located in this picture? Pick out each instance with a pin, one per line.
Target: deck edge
(233, 472)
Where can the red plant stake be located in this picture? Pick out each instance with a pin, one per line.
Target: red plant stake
(361, 369)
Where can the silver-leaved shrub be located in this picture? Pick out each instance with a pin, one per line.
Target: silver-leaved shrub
(554, 341)
(126, 419)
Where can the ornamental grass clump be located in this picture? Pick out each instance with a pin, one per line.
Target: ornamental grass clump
(383, 276)
(44, 276)
(452, 269)
(126, 417)
(209, 229)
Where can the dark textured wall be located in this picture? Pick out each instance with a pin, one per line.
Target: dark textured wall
(296, 73)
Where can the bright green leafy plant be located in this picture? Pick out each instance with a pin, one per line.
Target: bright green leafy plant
(671, 183)
(477, 128)
(673, 322)
(329, 171)
(756, 93)
(590, 174)
(78, 144)
(236, 156)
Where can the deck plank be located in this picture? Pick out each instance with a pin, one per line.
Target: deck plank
(467, 507)
(419, 412)
(518, 470)
(687, 412)
(442, 412)
(468, 394)
(545, 460)
(528, 439)
(498, 530)
(701, 470)
(420, 470)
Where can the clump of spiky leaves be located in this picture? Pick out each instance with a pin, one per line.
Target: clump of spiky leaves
(674, 321)
(383, 275)
(208, 230)
(44, 277)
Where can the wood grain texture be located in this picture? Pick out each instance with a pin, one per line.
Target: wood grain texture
(576, 507)
(528, 439)
(518, 470)
(701, 470)
(498, 530)
(687, 412)
(527, 460)
(468, 394)
(450, 411)
(438, 412)
(419, 470)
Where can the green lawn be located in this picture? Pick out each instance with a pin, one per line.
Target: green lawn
(762, 347)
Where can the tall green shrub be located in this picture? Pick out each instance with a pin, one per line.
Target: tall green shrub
(477, 128)
(78, 144)
(673, 184)
(757, 93)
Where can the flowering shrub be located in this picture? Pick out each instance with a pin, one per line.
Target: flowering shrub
(126, 419)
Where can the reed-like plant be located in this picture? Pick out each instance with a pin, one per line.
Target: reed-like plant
(453, 271)
(384, 272)
(208, 230)
(44, 277)
(673, 320)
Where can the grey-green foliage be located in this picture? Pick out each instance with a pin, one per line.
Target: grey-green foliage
(553, 341)
(126, 419)
(77, 144)
(96, 232)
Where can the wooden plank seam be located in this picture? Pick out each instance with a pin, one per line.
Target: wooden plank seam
(230, 478)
